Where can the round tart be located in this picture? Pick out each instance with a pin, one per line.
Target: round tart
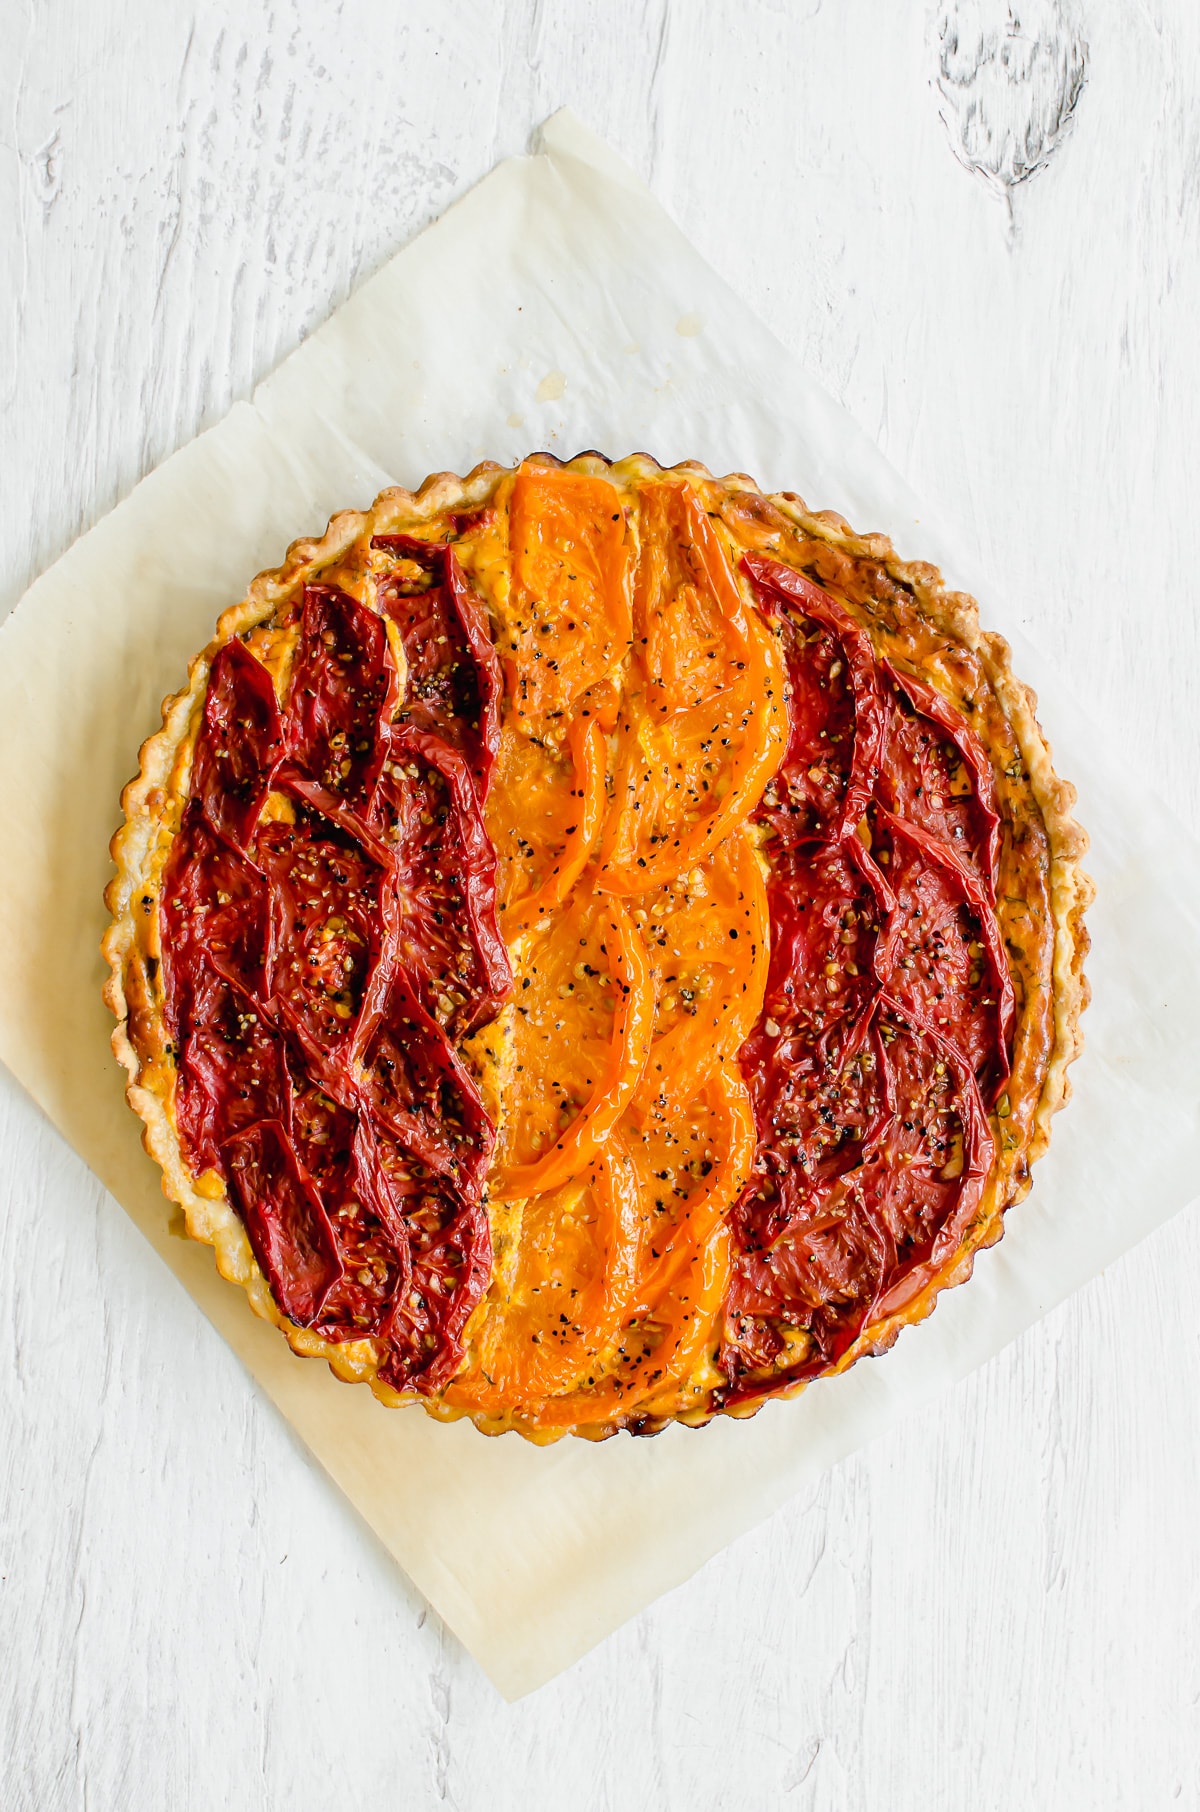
(596, 945)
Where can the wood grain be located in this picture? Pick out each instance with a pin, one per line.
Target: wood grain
(999, 1604)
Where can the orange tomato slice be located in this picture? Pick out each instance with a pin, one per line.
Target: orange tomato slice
(586, 803)
(559, 1306)
(710, 958)
(529, 808)
(685, 638)
(657, 1353)
(552, 1017)
(685, 1252)
(691, 768)
(568, 614)
(721, 1126)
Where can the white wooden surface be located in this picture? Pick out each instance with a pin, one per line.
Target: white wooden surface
(997, 1606)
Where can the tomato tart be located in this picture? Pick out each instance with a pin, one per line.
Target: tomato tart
(596, 945)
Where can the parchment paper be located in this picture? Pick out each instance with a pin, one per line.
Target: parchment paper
(558, 306)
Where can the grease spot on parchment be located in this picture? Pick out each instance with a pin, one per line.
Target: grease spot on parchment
(689, 326)
(515, 420)
(632, 347)
(551, 386)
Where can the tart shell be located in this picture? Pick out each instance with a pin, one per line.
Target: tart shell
(939, 634)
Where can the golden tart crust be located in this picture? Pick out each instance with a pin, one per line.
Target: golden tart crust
(914, 624)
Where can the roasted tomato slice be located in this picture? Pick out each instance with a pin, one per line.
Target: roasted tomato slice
(214, 916)
(287, 1225)
(232, 1070)
(364, 1211)
(416, 1087)
(941, 954)
(342, 694)
(564, 1292)
(543, 816)
(835, 709)
(325, 896)
(454, 684)
(936, 775)
(239, 746)
(451, 1246)
(441, 894)
(708, 939)
(824, 918)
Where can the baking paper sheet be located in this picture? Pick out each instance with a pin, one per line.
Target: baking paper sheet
(555, 305)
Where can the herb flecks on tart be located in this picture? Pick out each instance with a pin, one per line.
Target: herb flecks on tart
(596, 945)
